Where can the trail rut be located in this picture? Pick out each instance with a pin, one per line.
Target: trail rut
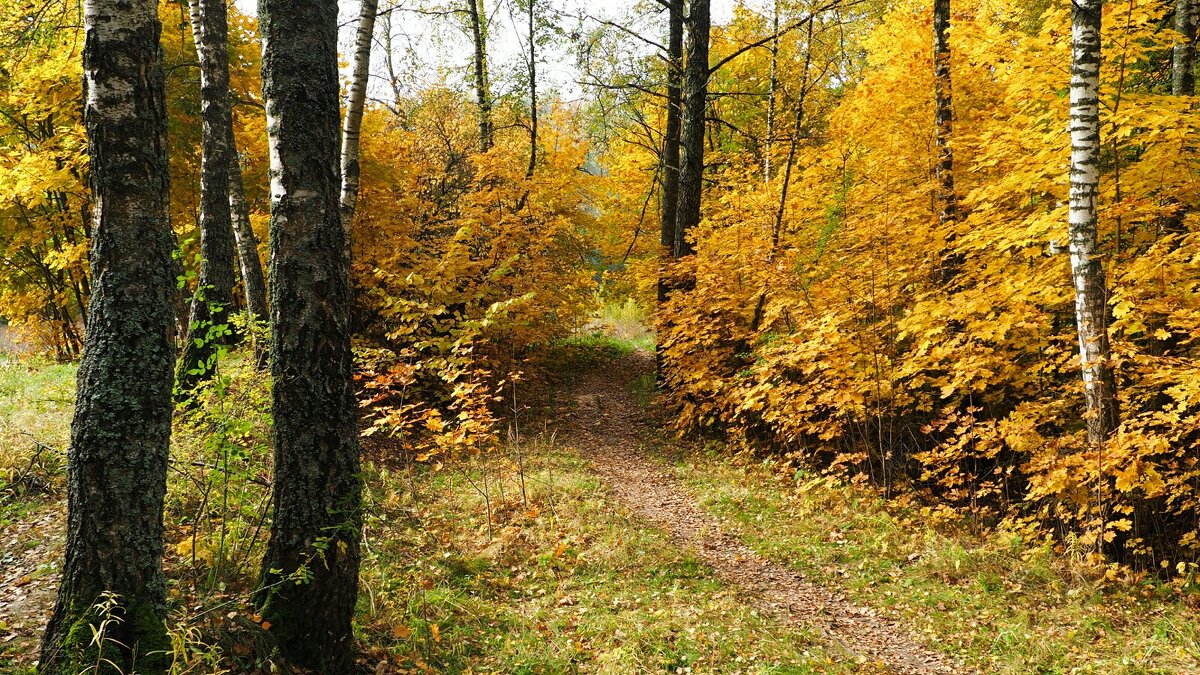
(607, 427)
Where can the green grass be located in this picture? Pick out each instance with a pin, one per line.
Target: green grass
(563, 582)
(36, 401)
(999, 600)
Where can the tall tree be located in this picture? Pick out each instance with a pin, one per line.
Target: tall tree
(533, 100)
(1183, 62)
(309, 581)
(1091, 302)
(355, 99)
(120, 434)
(772, 86)
(943, 127)
(483, 94)
(669, 175)
(695, 96)
(253, 284)
(214, 290)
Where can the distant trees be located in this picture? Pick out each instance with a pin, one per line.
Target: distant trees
(120, 435)
(309, 581)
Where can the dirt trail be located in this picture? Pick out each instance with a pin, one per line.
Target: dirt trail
(606, 428)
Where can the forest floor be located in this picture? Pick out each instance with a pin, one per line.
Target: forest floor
(596, 542)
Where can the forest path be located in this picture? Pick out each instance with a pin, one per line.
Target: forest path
(607, 427)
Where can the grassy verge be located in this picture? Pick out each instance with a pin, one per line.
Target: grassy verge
(998, 601)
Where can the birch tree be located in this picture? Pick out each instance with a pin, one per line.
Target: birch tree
(214, 290)
(1087, 271)
(309, 580)
(355, 100)
(120, 434)
(483, 94)
(1183, 61)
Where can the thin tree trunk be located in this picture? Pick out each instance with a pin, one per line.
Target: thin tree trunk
(309, 581)
(533, 101)
(781, 205)
(943, 129)
(120, 434)
(214, 290)
(352, 125)
(1086, 269)
(695, 95)
(253, 283)
(773, 85)
(1183, 63)
(483, 94)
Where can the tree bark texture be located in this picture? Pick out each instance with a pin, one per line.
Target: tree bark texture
(214, 290)
(120, 434)
(352, 124)
(309, 581)
(1183, 61)
(695, 94)
(1087, 271)
(483, 94)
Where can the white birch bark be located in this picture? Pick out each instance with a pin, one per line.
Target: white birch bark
(1087, 271)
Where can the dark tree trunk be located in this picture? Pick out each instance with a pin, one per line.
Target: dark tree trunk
(695, 94)
(669, 175)
(483, 94)
(214, 290)
(355, 101)
(120, 435)
(943, 128)
(533, 100)
(317, 494)
(670, 151)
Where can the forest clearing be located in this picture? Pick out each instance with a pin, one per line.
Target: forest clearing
(557, 336)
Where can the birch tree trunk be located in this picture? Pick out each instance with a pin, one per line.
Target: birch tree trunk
(695, 95)
(1183, 62)
(214, 290)
(943, 129)
(533, 101)
(352, 125)
(483, 94)
(1086, 270)
(253, 283)
(120, 434)
(316, 501)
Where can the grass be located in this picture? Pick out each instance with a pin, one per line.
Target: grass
(563, 581)
(1000, 601)
(36, 401)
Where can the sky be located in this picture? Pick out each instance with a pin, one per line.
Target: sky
(432, 49)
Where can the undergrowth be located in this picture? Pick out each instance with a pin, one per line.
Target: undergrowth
(1007, 601)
